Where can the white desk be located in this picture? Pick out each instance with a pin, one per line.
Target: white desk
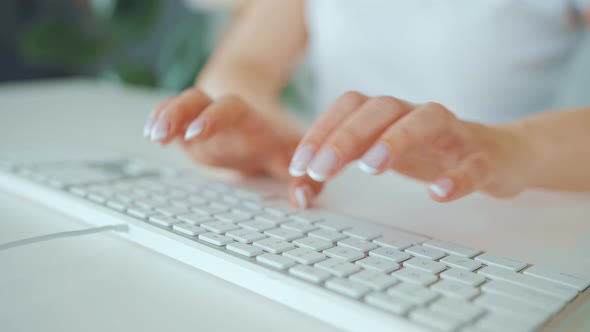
(99, 282)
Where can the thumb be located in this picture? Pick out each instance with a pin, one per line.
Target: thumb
(472, 174)
(303, 191)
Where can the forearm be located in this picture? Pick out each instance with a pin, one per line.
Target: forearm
(558, 145)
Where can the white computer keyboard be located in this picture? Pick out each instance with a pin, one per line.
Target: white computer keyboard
(353, 274)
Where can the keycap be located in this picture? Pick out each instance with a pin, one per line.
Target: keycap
(299, 226)
(461, 262)
(399, 240)
(304, 256)
(547, 287)
(378, 264)
(190, 230)
(362, 233)
(279, 210)
(425, 264)
(547, 273)
(455, 289)
(462, 276)
(194, 219)
(271, 219)
(435, 320)
(347, 287)
(519, 310)
(492, 322)
(97, 198)
(140, 212)
(327, 235)
(333, 225)
(313, 243)
(244, 249)
(148, 203)
(78, 191)
(390, 254)
(284, 234)
(527, 295)
(245, 235)
(358, 244)
(259, 226)
(215, 239)
(338, 267)
(171, 211)
(415, 276)
(117, 204)
(306, 217)
(275, 261)
(389, 303)
(426, 252)
(208, 210)
(274, 246)
(347, 254)
(413, 293)
(232, 217)
(503, 262)
(163, 221)
(310, 273)
(452, 248)
(373, 279)
(219, 227)
(462, 310)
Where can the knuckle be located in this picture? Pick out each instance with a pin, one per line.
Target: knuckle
(345, 140)
(352, 98)
(438, 110)
(386, 103)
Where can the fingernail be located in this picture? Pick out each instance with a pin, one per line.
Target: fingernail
(300, 160)
(160, 130)
(147, 129)
(442, 188)
(322, 164)
(373, 160)
(194, 129)
(301, 196)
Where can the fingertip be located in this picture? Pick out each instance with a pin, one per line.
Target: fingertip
(302, 196)
(366, 168)
(159, 130)
(195, 129)
(442, 189)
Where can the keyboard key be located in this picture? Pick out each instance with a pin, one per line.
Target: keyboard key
(425, 264)
(274, 246)
(378, 264)
(304, 256)
(140, 212)
(219, 227)
(415, 276)
(208, 210)
(163, 221)
(148, 204)
(195, 219)
(232, 217)
(362, 233)
(171, 211)
(399, 240)
(455, 289)
(519, 310)
(117, 204)
(393, 255)
(459, 309)
(575, 282)
(271, 219)
(546, 287)
(435, 320)
(276, 261)
(258, 226)
(413, 293)
(284, 234)
(461, 262)
(244, 249)
(498, 322)
(518, 293)
(333, 225)
(389, 303)
(313, 243)
(338, 267)
(215, 239)
(306, 217)
(327, 235)
(245, 235)
(360, 245)
(375, 280)
(310, 274)
(452, 248)
(464, 277)
(347, 254)
(347, 287)
(299, 226)
(190, 230)
(503, 262)
(425, 252)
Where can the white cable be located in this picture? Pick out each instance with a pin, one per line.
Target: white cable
(53, 236)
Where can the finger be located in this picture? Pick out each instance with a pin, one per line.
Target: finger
(174, 118)
(355, 135)
(422, 126)
(303, 191)
(147, 129)
(321, 129)
(471, 174)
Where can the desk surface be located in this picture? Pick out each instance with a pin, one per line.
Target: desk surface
(99, 282)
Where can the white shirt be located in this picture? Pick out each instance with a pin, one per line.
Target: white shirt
(486, 60)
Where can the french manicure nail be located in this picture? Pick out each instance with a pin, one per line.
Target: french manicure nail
(301, 197)
(320, 167)
(147, 129)
(300, 160)
(442, 188)
(160, 130)
(195, 129)
(373, 160)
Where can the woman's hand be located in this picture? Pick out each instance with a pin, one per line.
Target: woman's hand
(425, 142)
(228, 133)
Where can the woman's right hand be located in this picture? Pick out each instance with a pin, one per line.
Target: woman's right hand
(227, 132)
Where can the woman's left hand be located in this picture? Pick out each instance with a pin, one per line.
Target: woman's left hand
(424, 141)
